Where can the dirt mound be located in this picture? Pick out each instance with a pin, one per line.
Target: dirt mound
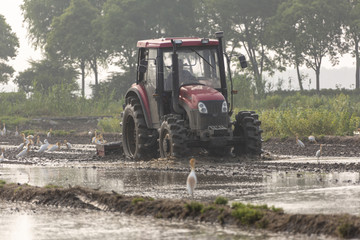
(255, 216)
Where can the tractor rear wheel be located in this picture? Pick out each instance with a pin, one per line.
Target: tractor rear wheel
(172, 137)
(139, 142)
(247, 126)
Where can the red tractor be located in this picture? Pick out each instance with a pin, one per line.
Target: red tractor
(180, 101)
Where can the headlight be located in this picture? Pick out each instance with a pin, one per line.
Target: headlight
(202, 107)
(224, 107)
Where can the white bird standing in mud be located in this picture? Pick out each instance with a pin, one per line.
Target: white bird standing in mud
(318, 153)
(191, 179)
(3, 131)
(312, 139)
(54, 147)
(44, 146)
(24, 143)
(93, 140)
(16, 132)
(24, 151)
(2, 157)
(299, 142)
(67, 144)
(38, 141)
(49, 133)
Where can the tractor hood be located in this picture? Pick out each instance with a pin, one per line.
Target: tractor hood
(192, 94)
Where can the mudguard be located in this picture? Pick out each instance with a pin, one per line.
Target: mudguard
(139, 91)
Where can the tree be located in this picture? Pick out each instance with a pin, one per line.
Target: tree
(125, 22)
(74, 38)
(318, 25)
(39, 14)
(44, 74)
(8, 46)
(285, 40)
(245, 22)
(352, 35)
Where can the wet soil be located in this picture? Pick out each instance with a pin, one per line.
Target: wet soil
(82, 198)
(274, 149)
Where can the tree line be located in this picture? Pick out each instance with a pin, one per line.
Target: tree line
(79, 36)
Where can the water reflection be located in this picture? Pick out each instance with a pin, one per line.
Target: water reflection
(56, 223)
(296, 192)
(303, 192)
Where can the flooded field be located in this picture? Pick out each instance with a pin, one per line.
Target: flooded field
(294, 191)
(296, 184)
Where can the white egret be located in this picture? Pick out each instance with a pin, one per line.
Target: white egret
(4, 130)
(318, 153)
(299, 142)
(312, 139)
(24, 151)
(44, 146)
(68, 145)
(49, 133)
(38, 141)
(16, 132)
(191, 179)
(94, 139)
(54, 147)
(2, 157)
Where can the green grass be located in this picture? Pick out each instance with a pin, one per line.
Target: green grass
(221, 200)
(51, 186)
(346, 230)
(248, 214)
(137, 200)
(110, 125)
(194, 207)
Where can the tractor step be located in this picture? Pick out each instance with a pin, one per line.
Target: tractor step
(109, 148)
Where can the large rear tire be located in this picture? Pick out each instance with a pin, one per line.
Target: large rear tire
(172, 137)
(247, 126)
(139, 142)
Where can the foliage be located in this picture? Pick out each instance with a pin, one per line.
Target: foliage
(317, 115)
(52, 186)
(137, 200)
(8, 46)
(221, 200)
(45, 74)
(245, 23)
(247, 214)
(194, 207)
(110, 125)
(58, 102)
(346, 230)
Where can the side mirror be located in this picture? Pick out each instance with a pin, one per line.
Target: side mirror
(242, 61)
(143, 66)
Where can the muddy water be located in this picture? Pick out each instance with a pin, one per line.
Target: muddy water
(68, 224)
(294, 191)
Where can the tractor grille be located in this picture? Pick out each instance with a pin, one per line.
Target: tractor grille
(210, 120)
(213, 107)
(214, 117)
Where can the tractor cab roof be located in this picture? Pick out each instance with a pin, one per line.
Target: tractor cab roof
(186, 42)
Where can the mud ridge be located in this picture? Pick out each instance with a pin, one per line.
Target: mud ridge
(346, 226)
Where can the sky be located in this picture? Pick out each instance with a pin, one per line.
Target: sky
(330, 78)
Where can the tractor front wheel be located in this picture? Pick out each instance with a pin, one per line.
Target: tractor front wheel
(172, 137)
(247, 126)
